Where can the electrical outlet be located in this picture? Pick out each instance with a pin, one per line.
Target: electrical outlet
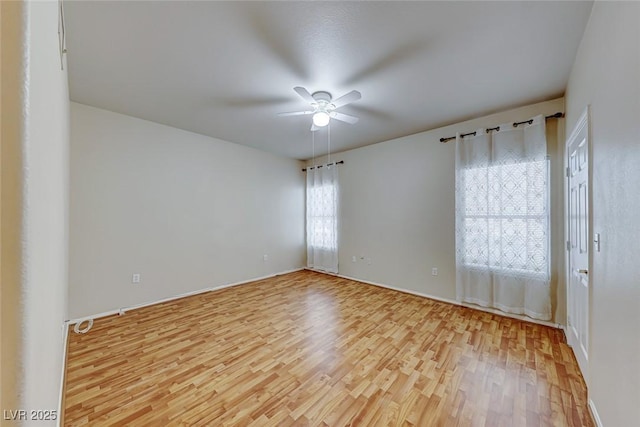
(434, 271)
(265, 257)
(135, 278)
(354, 259)
(369, 261)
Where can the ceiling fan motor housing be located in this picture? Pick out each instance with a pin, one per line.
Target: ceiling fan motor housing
(322, 96)
(323, 100)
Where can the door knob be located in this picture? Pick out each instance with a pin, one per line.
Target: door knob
(583, 271)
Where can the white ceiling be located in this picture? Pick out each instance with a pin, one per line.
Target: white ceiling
(224, 69)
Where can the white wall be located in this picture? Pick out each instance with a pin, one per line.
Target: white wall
(46, 195)
(397, 208)
(38, 190)
(606, 75)
(186, 211)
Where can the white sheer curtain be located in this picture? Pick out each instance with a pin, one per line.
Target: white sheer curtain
(322, 218)
(502, 219)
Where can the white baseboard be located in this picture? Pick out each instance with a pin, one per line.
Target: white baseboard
(512, 316)
(393, 288)
(123, 310)
(448, 301)
(594, 414)
(63, 369)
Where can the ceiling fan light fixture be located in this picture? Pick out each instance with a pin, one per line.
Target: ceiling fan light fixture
(321, 118)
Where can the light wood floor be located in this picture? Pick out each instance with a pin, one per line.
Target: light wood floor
(311, 349)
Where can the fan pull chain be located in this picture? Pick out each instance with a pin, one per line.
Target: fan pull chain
(313, 148)
(329, 142)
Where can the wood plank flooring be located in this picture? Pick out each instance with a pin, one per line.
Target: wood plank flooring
(308, 349)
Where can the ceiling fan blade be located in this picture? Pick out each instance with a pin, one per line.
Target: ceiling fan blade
(314, 127)
(348, 98)
(250, 102)
(304, 94)
(344, 117)
(296, 113)
(404, 53)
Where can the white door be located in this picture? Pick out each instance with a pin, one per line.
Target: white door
(578, 243)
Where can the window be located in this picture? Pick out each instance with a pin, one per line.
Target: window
(505, 220)
(321, 216)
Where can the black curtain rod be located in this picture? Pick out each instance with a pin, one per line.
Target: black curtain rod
(515, 124)
(341, 162)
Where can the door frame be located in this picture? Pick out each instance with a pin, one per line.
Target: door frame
(582, 124)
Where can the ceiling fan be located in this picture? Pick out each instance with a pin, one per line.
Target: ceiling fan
(324, 107)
